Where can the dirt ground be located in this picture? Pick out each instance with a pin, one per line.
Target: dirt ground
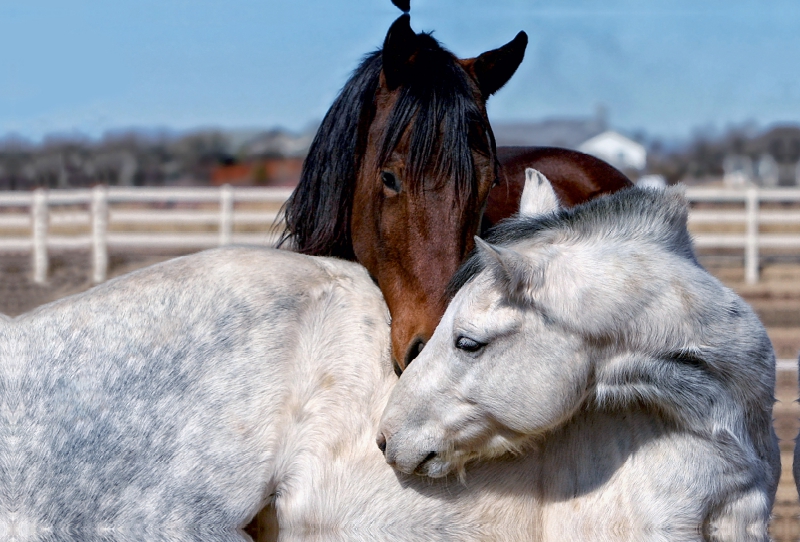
(785, 526)
(776, 299)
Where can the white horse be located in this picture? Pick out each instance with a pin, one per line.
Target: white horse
(592, 340)
(176, 402)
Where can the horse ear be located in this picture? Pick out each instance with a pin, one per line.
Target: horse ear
(403, 5)
(515, 273)
(538, 196)
(399, 45)
(493, 69)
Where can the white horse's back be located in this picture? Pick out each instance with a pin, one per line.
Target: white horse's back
(175, 402)
(164, 404)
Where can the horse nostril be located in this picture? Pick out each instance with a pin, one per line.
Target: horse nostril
(381, 442)
(414, 350)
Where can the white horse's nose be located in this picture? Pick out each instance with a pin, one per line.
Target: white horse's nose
(406, 458)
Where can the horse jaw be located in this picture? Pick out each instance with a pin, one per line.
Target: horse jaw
(538, 196)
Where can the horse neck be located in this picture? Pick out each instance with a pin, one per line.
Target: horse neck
(338, 373)
(597, 481)
(722, 393)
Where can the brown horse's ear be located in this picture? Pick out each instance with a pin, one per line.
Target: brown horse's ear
(399, 45)
(403, 5)
(494, 68)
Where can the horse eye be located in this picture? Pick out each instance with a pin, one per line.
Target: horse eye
(468, 345)
(390, 181)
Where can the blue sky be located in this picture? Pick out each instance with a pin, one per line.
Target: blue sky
(663, 66)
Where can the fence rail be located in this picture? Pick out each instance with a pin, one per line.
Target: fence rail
(100, 216)
(752, 240)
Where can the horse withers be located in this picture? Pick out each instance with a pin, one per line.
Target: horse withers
(592, 340)
(402, 167)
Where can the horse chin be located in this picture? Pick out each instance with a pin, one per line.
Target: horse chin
(439, 465)
(436, 468)
(443, 464)
(497, 446)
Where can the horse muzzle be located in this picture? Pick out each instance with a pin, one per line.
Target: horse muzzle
(411, 459)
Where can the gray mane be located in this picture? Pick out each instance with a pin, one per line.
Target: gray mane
(658, 216)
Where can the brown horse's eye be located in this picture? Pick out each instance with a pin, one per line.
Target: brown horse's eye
(390, 181)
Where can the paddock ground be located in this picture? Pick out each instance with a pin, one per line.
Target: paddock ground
(776, 299)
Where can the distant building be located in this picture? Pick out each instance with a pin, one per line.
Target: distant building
(589, 135)
(616, 149)
(276, 171)
(768, 171)
(277, 143)
(779, 156)
(651, 181)
(738, 171)
(266, 158)
(567, 133)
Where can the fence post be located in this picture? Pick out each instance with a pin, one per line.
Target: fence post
(225, 214)
(39, 227)
(99, 212)
(751, 247)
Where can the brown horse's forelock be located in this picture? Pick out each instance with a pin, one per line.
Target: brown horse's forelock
(438, 105)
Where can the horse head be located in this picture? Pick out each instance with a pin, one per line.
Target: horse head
(425, 175)
(399, 172)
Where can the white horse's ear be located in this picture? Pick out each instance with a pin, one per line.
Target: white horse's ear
(517, 275)
(538, 196)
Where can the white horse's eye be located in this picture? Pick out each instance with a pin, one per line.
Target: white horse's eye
(468, 345)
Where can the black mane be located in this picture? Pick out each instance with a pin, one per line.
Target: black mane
(438, 99)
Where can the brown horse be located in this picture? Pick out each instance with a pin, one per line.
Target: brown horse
(400, 172)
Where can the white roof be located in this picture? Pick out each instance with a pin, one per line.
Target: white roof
(615, 148)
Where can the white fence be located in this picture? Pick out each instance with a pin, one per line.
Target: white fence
(101, 212)
(752, 217)
(97, 218)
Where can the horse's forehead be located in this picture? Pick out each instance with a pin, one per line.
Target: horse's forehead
(481, 302)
